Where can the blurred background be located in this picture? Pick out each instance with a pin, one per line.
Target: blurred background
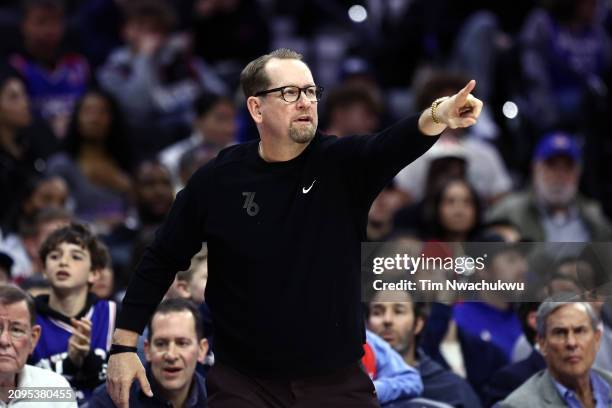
(108, 106)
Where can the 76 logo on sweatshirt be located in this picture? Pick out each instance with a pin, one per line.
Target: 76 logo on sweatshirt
(252, 208)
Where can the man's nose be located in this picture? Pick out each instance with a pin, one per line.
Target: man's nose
(171, 352)
(571, 340)
(303, 101)
(388, 317)
(5, 338)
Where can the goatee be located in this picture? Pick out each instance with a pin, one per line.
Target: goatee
(302, 135)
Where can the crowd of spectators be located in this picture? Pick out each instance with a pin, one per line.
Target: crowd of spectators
(107, 107)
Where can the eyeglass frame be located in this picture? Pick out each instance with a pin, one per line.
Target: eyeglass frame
(318, 92)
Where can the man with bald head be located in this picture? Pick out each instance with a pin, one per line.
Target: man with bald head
(283, 218)
(568, 335)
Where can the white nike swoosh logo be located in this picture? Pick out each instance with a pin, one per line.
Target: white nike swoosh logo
(306, 190)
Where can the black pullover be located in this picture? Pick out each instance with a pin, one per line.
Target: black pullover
(284, 284)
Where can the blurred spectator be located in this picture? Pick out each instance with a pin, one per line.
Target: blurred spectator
(190, 284)
(153, 196)
(23, 149)
(55, 78)
(506, 229)
(382, 210)
(568, 337)
(175, 344)
(98, 24)
(552, 209)
(154, 77)
(400, 324)
(453, 214)
(25, 243)
(191, 161)
(103, 285)
(511, 377)
(77, 327)
(453, 347)
(96, 159)
(6, 263)
(486, 170)
(38, 193)
(601, 306)
(493, 318)
(243, 27)
(352, 110)
(20, 335)
(393, 379)
(213, 127)
(448, 161)
(579, 270)
(36, 285)
(566, 53)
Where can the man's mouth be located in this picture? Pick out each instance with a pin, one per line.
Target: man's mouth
(573, 359)
(172, 370)
(388, 336)
(304, 119)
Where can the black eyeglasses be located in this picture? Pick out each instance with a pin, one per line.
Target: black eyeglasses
(292, 93)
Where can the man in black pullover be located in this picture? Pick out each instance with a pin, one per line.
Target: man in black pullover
(283, 219)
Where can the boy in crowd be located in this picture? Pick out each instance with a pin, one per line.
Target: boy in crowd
(77, 327)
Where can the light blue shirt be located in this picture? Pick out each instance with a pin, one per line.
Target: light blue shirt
(394, 378)
(601, 393)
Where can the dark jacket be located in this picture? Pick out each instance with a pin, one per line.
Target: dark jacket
(196, 398)
(274, 231)
(479, 370)
(511, 377)
(443, 385)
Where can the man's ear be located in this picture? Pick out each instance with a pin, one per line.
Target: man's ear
(418, 325)
(254, 106)
(35, 336)
(182, 288)
(202, 350)
(541, 345)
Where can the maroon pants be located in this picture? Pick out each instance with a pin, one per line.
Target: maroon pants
(346, 387)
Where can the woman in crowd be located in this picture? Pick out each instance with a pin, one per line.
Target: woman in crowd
(453, 213)
(95, 159)
(21, 154)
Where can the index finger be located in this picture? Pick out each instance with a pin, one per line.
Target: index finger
(462, 95)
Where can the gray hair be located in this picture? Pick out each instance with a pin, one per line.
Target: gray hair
(549, 306)
(11, 294)
(253, 78)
